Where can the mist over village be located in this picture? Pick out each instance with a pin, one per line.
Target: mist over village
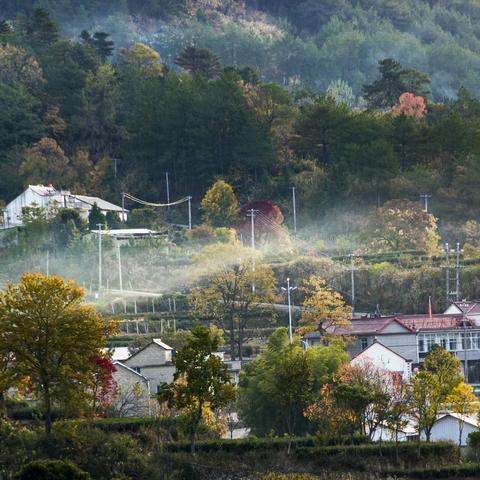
(239, 239)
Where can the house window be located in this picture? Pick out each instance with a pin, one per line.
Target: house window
(363, 343)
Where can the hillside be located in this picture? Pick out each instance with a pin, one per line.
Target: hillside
(306, 41)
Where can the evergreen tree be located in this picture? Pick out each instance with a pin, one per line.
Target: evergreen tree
(199, 61)
(42, 29)
(96, 216)
(394, 80)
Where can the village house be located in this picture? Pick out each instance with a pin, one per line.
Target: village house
(154, 361)
(414, 336)
(133, 397)
(384, 358)
(49, 198)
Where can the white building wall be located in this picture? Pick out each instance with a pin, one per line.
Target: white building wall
(447, 428)
(158, 375)
(385, 359)
(153, 355)
(25, 199)
(128, 384)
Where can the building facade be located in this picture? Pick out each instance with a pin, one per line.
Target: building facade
(49, 198)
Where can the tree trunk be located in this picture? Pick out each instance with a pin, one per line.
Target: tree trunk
(48, 410)
(232, 337)
(2, 404)
(193, 430)
(460, 430)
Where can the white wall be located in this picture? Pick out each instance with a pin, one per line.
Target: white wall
(447, 428)
(385, 359)
(152, 355)
(133, 393)
(158, 375)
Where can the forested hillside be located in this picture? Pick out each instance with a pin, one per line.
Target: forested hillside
(105, 97)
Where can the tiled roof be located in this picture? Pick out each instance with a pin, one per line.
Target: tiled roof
(369, 326)
(424, 322)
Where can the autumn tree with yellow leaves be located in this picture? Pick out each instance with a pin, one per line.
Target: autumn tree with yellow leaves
(51, 334)
(325, 309)
(464, 402)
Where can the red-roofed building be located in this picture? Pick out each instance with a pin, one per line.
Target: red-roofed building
(413, 336)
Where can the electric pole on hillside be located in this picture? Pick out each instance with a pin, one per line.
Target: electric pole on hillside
(452, 293)
(251, 214)
(99, 225)
(352, 277)
(425, 198)
(120, 279)
(123, 207)
(168, 190)
(289, 290)
(294, 212)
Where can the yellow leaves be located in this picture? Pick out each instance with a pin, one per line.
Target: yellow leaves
(50, 332)
(219, 205)
(463, 401)
(325, 309)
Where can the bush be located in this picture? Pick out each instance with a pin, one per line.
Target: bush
(446, 452)
(243, 445)
(447, 471)
(52, 470)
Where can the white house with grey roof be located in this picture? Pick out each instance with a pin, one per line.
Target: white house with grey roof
(50, 198)
(154, 361)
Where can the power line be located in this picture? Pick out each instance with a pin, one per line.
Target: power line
(151, 204)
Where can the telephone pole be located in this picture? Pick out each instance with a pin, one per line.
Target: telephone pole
(447, 276)
(458, 252)
(189, 213)
(252, 233)
(352, 277)
(168, 190)
(123, 207)
(425, 198)
(251, 214)
(120, 279)
(289, 289)
(99, 225)
(294, 212)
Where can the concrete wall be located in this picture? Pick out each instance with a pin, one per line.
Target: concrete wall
(133, 393)
(152, 355)
(158, 375)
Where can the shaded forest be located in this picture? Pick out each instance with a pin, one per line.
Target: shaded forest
(100, 111)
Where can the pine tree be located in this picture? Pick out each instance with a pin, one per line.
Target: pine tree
(198, 61)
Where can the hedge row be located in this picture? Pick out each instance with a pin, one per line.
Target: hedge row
(127, 425)
(244, 445)
(447, 471)
(388, 450)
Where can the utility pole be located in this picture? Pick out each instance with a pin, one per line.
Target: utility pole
(352, 276)
(447, 276)
(465, 351)
(123, 207)
(120, 279)
(294, 211)
(99, 225)
(252, 233)
(289, 289)
(251, 214)
(168, 190)
(458, 252)
(425, 198)
(48, 262)
(189, 213)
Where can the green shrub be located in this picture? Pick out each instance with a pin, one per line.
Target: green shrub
(446, 471)
(52, 470)
(243, 445)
